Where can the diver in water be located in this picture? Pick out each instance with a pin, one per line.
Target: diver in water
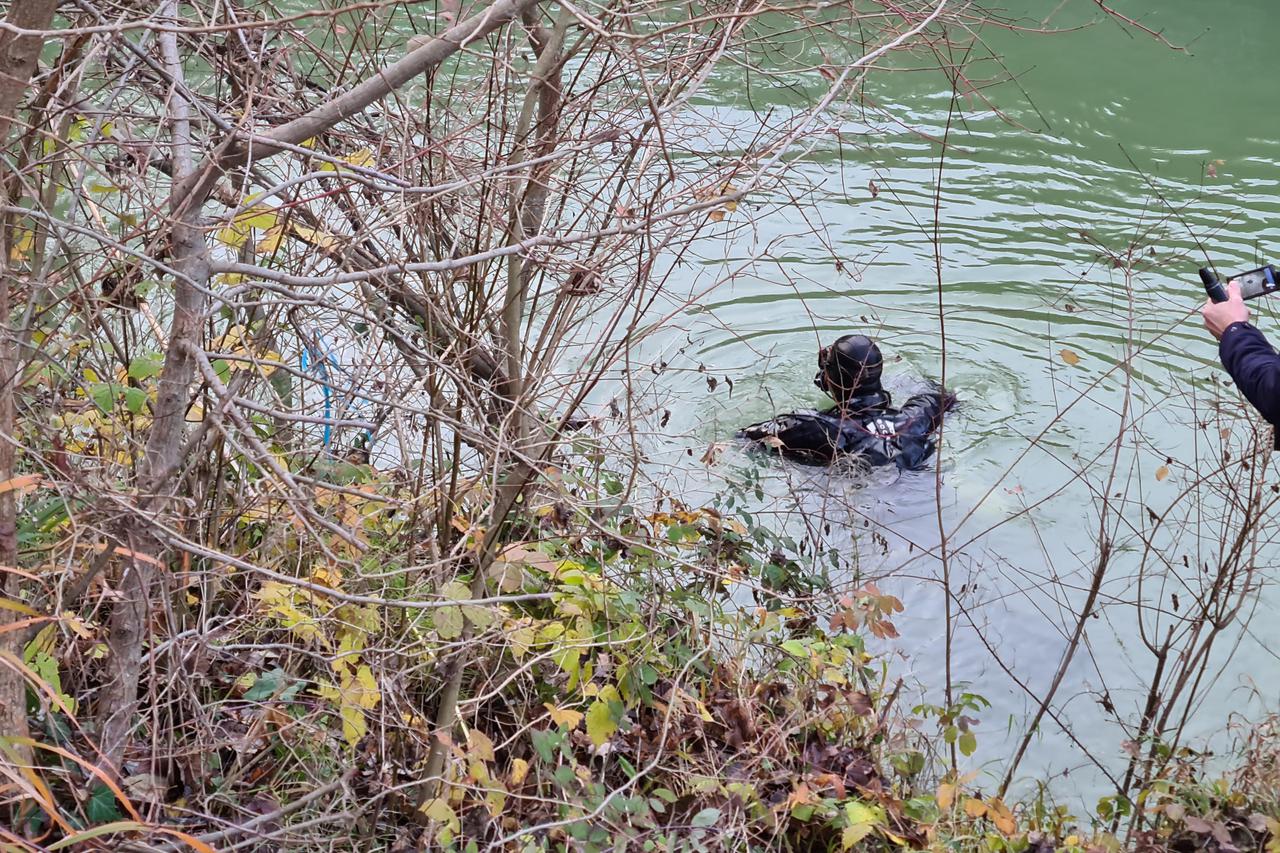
(863, 425)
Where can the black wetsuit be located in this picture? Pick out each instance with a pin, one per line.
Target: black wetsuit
(867, 429)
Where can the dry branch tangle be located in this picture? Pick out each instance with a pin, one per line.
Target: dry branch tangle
(192, 187)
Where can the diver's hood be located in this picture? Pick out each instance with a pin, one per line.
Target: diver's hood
(849, 370)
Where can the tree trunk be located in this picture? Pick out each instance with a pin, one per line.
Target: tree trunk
(18, 58)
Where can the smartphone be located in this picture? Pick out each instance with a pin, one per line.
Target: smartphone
(1257, 282)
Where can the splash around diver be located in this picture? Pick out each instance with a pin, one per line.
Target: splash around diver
(863, 426)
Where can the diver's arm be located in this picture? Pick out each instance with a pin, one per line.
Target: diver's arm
(1255, 367)
(917, 422)
(803, 436)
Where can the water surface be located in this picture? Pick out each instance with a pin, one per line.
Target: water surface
(1109, 145)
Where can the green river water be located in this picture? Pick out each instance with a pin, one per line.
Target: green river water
(1114, 121)
(1108, 138)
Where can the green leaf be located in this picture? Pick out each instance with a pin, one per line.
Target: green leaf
(448, 622)
(456, 591)
(545, 743)
(103, 395)
(796, 648)
(135, 399)
(481, 617)
(600, 722)
(968, 743)
(266, 685)
(706, 818)
(857, 812)
(101, 807)
(145, 366)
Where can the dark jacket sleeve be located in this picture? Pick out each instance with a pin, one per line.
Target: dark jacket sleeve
(916, 423)
(806, 437)
(1255, 367)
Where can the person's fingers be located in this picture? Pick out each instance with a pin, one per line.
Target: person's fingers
(1233, 291)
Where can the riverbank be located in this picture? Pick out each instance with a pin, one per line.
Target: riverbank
(615, 699)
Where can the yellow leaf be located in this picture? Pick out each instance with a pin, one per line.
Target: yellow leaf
(271, 240)
(1162, 472)
(716, 215)
(521, 639)
(946, 795)
(495, 801)
(519, 770)
(22, 247)
(366, 694)
(77, 625)
(356, 694)
(1000, 815)
(974, 807)
(1069, 357)
(329, 576)
(362, 158)
(259, 216)
(230, 340)
(563, 716)
(853, 834)
(316, 238)
(479, 745)
(233, 235)
(439, 810)
(354, 726)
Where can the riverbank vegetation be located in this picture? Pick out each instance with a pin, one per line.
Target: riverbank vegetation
(327, 518)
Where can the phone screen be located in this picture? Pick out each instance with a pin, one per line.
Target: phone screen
(1257, 282)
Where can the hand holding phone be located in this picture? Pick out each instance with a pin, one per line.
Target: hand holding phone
(1218, 316)
(1253, 283)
